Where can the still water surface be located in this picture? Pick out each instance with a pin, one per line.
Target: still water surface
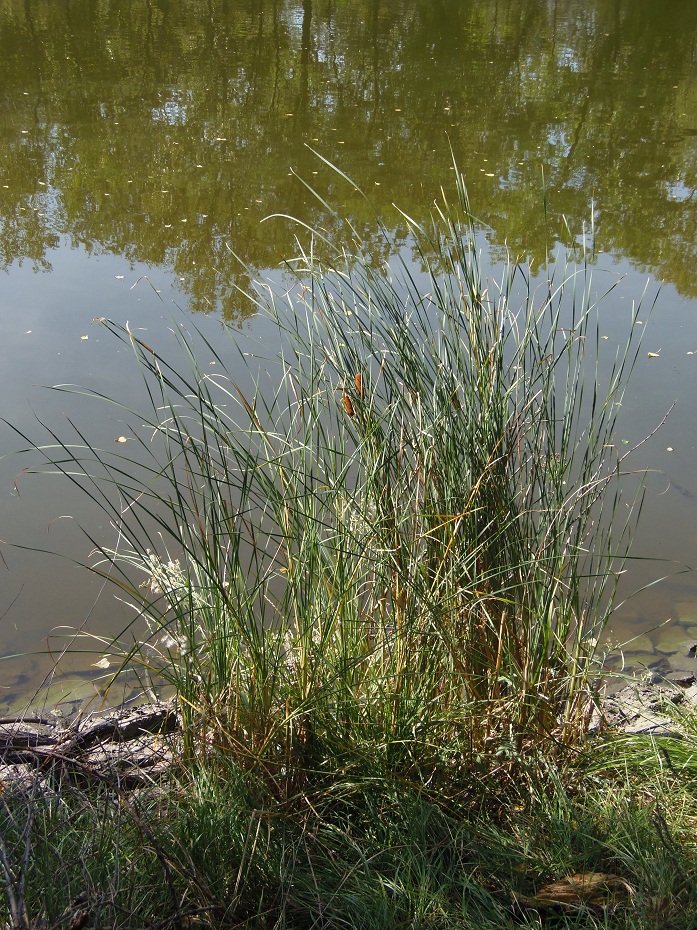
(150, 138)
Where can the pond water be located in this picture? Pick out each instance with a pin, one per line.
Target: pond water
(143, 141)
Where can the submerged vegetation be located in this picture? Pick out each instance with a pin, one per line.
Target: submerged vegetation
(375, 568)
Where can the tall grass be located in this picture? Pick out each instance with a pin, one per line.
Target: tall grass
(407, 549)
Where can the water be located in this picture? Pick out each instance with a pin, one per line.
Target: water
(150, 139)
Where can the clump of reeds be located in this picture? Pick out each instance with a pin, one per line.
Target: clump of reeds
(406, 549)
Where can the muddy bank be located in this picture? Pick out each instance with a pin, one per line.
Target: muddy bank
(126, 747)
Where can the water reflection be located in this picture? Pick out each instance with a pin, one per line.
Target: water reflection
(164, 131)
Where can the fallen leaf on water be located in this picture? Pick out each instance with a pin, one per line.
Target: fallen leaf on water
(653, 354)
(103, 663)
(582, 888)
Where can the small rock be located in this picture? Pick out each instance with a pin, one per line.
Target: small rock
(683, 677)
(672, 637)
(689, 649)
(686, 612)
(641, 644)
(660, 664)
(636, 663)
(682, 663)
(656, 726)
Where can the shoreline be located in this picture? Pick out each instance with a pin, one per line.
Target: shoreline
(132, 746)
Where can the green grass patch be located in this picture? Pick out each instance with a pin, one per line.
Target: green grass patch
(214, 849)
